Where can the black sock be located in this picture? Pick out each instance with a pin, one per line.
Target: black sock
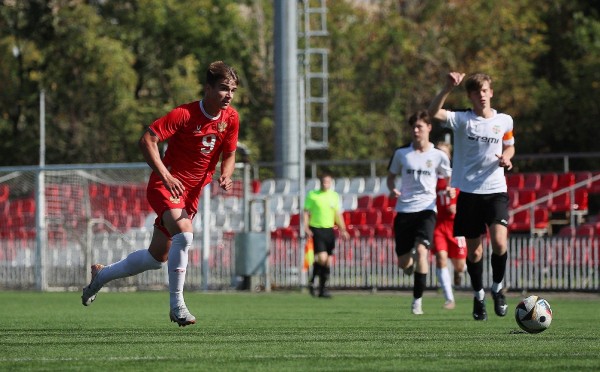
(315, 272)
(325, 270)
(419, 285)
(498, 267)
(475, 270)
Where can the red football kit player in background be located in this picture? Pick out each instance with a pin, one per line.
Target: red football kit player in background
(445, 244)
(200, 134)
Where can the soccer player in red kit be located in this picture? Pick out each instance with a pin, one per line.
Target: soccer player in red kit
(200, 134)
(445, 244)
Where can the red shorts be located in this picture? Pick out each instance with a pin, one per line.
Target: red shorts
(444, 240)
(161, 200)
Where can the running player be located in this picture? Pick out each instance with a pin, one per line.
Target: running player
(445, 244)
(419, 164)
(483, 147)
(200, 134)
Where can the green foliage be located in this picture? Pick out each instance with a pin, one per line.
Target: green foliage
(287, 331)
(110, 68)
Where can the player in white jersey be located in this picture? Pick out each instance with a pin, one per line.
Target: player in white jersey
(483, 148)
(419, 164)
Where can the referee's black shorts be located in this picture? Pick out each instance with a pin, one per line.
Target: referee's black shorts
(323, 239)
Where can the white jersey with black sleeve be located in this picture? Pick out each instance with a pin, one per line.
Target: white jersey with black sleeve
(419, 172)
(477, 141)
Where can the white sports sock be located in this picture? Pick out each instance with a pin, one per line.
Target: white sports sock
(443, 275)
(135, 263)
(417, 301)
(479, 295)
(177, 264)
(496, 287)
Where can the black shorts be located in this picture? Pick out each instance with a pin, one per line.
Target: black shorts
(323, 239)
(474, 212)
(413, 228)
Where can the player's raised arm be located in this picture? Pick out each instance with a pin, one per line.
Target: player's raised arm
(435, 109)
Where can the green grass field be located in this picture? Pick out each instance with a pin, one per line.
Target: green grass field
(288, 331)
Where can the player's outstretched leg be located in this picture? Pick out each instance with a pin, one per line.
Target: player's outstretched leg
(89, 292)
(182, 316)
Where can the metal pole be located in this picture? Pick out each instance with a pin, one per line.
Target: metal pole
(286, 89)
(302, 188)
(40, 222)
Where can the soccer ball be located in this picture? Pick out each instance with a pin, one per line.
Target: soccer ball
(533, 314)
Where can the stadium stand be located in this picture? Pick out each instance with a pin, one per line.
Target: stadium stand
(531, 181)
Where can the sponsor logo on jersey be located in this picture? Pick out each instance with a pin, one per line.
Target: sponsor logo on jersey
(221, 127)
(483, 139)
(424, 172)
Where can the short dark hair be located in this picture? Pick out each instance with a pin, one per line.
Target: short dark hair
(219, 70)
(419, 115)
(475, 82)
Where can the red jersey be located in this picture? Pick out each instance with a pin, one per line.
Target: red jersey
(443, 201)
(196, 141)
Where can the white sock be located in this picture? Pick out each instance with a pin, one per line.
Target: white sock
(177, 264)
(443, 276)
(135, 263)
(417, 301)
(479, 295)
(496, 287)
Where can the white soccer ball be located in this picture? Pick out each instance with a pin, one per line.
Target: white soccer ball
(533, 314)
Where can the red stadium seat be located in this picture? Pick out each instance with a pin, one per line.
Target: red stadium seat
(584, 176)
(289, 233)
(586, 230)
(364, 202)
(541, 218)
(295, 220)
(582, 199)
(366, 231)
(544, 193)
(380, 202)
(384, 231)
(373, 217)
(561, 203)
(531, 181)
(515, 180)
(4, 192)
(513, 198)
(358, 218)
(526, 196)
(567, 231)
(24, 206)
(387, 217)
(565, 180)
(549, 181)
(520, 221)
(595, 185)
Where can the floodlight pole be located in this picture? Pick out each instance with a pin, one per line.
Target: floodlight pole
(40, 199)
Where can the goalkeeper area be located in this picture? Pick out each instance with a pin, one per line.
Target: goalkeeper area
(288, 331)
